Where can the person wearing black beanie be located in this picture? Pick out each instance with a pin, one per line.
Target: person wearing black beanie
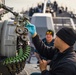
(68, 35)
(65, 38)
(62, 55)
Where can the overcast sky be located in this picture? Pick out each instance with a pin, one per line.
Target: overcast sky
(25, 4)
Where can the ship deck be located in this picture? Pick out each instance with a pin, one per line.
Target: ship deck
(30, 67)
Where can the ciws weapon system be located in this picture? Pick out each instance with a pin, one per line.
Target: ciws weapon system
(14, 46)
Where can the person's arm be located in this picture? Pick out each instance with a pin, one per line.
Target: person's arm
(43, 50)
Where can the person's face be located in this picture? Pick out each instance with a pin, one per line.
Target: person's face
(49, 37)
(57, 42)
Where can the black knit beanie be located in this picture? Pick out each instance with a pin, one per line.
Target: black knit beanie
(68, 35)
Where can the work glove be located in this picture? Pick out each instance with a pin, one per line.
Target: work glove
(31, 28)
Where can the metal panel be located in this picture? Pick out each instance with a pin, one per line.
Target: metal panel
(8, 40)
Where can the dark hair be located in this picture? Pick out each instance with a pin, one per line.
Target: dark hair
(52, 32)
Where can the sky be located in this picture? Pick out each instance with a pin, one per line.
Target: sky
(26, 4)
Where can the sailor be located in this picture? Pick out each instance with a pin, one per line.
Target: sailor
(62, 55)
(48, 40)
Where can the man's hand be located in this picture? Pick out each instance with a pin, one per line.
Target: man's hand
(43, 65)
(31, 28)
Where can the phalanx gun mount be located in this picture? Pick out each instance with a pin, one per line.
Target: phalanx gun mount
(14, 46)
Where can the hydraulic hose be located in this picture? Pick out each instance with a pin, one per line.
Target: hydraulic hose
(17, 63)
(21, 56)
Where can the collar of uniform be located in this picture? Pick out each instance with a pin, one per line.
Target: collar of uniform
(70, 49)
